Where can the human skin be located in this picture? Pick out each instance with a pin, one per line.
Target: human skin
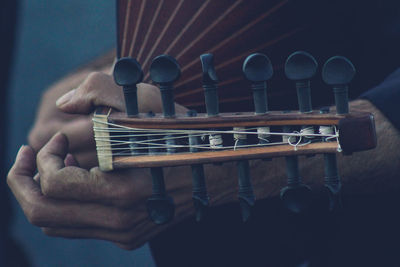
(70, 197)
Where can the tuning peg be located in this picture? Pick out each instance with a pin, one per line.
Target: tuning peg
(246, 196)
(160, 206)
(332, 182)
(199, 196)
(128, 73)
(210, 84)
(297, 199)
(338, 72)
(301, 67)
(257, 68)
(164, 71)
(296, 196)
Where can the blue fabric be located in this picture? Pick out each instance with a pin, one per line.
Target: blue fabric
(386, 97)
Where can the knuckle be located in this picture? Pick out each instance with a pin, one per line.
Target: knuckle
(46, 186)
(123, 221)
(92, 80)
(123, 196)
(34, 215)
(35, 139)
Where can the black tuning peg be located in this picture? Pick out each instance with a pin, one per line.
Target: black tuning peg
(296, 196)
(210, 84)
(160, 206)
(128, 73)
(245, 194)
(164, 71)
(338, 72)
(257, 68)
(301, 67)
(199, 196)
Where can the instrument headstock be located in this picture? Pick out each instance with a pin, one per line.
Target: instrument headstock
(169, 139)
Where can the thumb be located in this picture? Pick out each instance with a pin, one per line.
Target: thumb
(98, 89)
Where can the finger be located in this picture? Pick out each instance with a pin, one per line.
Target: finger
(44, 211)
(80, 133)
(122, 188)
(128, 239)
(50, 158)
(47, 212)
(24, 164)
(119, 188)
(36, 178)
(98, 89)
(70, 161)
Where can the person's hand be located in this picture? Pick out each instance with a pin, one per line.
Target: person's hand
(98, 88)
(68, 201)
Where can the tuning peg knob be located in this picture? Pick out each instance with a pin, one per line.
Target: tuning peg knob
(334, 198)
(128, 73)
(210, 84)
(161, 209)
(160, 206)
(297, 199)
(301, 67)
(199, 195)
(338, 72)
(257, 68)
(207, 64)
(164, 71)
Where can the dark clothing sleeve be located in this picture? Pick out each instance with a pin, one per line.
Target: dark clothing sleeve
(386, 97)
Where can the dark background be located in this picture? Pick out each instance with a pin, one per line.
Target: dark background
(52, 39)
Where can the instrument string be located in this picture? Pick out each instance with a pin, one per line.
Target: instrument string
(118, 146)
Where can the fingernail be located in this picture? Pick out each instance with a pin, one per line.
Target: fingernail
(65, 98)
(20, 149)
(19, 153)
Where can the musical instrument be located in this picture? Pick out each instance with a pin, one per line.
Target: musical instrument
(229, 29)
(165, 140)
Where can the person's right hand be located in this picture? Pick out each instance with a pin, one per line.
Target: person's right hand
(73, 202)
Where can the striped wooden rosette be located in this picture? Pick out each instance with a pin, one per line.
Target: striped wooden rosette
(230, 29)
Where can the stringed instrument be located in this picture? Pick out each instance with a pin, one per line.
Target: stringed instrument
(239, 33)
(159, 140)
